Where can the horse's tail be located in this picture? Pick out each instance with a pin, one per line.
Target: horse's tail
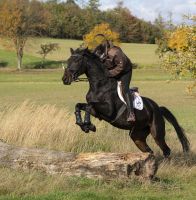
(179, 130)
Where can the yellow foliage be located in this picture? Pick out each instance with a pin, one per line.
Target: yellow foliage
(179, 39)
(181, 60)
(91, 41)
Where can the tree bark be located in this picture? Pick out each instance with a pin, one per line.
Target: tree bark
(91, 165)
(19, 62)
(19, 57)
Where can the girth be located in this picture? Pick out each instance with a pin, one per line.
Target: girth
(120, 112)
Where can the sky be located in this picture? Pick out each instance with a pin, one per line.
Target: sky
(149, 9)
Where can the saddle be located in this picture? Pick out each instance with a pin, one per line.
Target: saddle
(137, 102)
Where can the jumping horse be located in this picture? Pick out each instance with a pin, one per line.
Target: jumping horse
(104, 103)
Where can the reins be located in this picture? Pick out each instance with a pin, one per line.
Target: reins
(87, 64)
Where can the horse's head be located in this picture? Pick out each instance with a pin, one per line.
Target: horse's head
(75, 66)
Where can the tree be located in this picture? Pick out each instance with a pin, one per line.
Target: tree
(180, 57)
(169, 23)
(74, 22)
(160, 24)
(56, 23)
(92, 15)
(123, 22)
(70, 2)
(91, 41)
(20, 19)
(149, 32)
(46, 49)
(69, 20)
(179, 39)
(93, 5)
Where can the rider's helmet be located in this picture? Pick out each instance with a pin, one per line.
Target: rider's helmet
(102, 49)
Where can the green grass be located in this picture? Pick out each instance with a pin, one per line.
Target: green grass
(141, 54)
(45, 87)
(55, 75)
(177, 178)
(9, 59)
(175, 187)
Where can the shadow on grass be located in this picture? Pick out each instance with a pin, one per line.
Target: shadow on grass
(3, 64)
(48, 64)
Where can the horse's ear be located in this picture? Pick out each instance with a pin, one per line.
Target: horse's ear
(85, 51)
(72, 51)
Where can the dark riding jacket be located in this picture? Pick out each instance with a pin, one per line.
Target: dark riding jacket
(117, 62)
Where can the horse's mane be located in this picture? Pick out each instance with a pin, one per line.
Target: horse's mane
(86, 52)
(92, 57)
(89, 54)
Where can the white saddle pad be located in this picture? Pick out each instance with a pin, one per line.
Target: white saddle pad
(137, 102)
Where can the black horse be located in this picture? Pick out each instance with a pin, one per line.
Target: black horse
(104, 103)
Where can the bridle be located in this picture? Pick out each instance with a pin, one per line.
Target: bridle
(75, 75)
(82, 63)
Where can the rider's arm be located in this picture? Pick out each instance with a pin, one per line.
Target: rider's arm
(119, 64)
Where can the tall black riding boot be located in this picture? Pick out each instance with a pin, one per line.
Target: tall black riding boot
(130, 109)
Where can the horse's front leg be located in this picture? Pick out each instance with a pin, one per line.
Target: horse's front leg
(87, 119)
(86, 126)
(78, 109)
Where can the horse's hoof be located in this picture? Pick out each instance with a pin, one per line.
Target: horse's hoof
(85, 128)
(92, 128)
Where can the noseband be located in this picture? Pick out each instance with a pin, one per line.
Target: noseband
(78, 56)
(82, 63)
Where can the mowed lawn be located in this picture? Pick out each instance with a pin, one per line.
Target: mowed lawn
(52, 125)
(45, 87)
(141, 54)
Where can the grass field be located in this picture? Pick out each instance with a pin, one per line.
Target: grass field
(141, 54)
(36, 110)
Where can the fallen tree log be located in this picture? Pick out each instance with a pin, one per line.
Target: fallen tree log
(91, 165)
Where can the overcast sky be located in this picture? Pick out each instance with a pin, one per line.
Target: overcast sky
(149, 9)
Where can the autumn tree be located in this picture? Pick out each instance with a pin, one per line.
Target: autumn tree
(20, 19)
(178, 56)
(91, 41)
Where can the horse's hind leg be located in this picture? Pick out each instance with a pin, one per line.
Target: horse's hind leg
(158, 133)
(139, 138)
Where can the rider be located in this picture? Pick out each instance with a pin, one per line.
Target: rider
(120, 67)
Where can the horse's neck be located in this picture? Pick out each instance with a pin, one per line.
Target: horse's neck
(96, 71)
(98, 79)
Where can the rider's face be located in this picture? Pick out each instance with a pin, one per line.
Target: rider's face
(100, 50)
